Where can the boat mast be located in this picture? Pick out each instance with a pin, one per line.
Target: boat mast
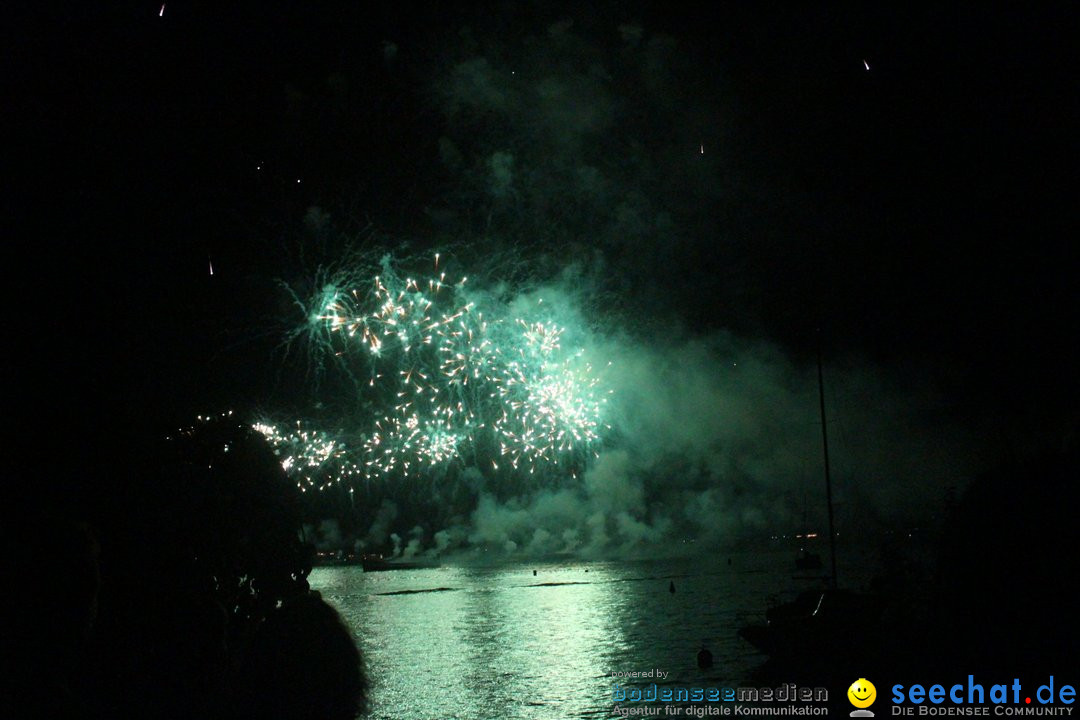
(828, 478)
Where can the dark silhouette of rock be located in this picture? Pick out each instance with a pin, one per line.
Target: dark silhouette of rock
(48, 607)
(302, 664)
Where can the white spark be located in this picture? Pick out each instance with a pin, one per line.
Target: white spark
(866, 64)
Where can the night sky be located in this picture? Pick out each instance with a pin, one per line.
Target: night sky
(751, 179)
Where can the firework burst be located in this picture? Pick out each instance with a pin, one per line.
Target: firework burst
(445, 378)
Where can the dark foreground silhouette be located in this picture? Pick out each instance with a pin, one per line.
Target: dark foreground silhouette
(185, 596)
(302, 664)
(47, 613)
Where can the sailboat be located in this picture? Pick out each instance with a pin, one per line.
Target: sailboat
(810, 624)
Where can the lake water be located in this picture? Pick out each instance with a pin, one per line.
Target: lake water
(500, 643)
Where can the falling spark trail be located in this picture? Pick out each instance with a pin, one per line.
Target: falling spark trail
(161, 13)
(866, 64)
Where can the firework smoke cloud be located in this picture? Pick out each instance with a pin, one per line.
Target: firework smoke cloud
(561, 382)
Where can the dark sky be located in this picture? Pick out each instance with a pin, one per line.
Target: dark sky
(919, 213)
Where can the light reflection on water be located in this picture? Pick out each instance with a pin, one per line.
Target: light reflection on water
(497, 642)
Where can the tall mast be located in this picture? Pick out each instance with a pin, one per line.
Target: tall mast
(828, 478)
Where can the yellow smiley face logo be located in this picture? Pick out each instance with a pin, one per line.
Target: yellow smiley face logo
(862, 693)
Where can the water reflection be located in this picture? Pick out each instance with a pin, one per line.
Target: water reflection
(493, 643)
(501, 643)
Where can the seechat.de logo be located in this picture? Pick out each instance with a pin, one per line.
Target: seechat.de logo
(977, 698)
(862, 694)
